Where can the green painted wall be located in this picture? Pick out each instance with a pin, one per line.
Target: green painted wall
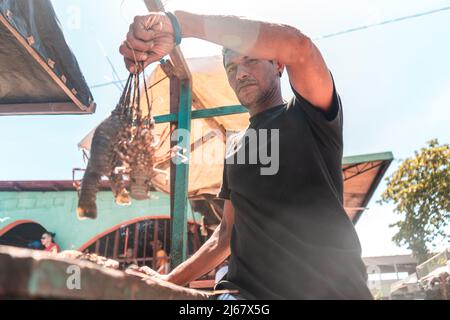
(56, 211)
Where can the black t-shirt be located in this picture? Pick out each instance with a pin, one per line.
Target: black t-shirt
(292, 238)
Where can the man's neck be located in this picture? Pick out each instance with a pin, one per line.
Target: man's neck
(265, 106)
(272, 98)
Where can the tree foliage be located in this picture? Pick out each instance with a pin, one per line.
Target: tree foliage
(420, 190)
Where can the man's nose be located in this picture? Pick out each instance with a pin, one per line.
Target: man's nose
(242, 73)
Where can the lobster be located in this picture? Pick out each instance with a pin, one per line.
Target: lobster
(141, 164)
(103, 159)
(123, 147)
(100, 164)
(141, 149)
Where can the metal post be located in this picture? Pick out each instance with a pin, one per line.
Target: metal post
(396, 271)
(179, 183)
(180, 196)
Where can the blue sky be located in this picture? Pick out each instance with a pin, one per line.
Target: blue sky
(394, 81)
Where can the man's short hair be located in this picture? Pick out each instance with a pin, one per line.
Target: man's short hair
(224, 52)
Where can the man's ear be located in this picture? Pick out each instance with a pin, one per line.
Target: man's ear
(280, 68)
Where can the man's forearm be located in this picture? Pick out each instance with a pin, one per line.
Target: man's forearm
(257, 39)
(208, 257)
(307, 70)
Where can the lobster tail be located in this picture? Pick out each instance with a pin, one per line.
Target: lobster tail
(103, 144)
(87, 209)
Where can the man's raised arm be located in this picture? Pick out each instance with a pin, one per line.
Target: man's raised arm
(151, 37)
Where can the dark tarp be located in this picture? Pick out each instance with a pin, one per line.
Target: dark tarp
(38, 72)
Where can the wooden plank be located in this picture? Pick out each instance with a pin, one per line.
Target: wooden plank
(42, 109)
(36, 56)
(28, 274)
(202, 284)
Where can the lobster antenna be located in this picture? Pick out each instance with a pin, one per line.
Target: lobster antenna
(125, 90)
(150, 118)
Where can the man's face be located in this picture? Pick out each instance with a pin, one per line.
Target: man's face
(252, 80)
(45, 239)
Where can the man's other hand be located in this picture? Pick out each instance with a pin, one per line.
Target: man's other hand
(152, 273)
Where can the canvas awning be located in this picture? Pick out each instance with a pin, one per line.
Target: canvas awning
(362, 175)
(38, 72)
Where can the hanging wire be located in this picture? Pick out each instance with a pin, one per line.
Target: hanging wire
(106, 84)
(149, 108)
(385, 22)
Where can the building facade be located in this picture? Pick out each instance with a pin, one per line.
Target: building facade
(120, 232)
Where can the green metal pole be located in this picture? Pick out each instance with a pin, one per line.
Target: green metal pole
(179, 214)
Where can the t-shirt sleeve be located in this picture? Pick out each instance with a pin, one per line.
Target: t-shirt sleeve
(224, 190)
(327, 126)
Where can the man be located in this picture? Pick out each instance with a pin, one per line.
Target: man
(288, 234)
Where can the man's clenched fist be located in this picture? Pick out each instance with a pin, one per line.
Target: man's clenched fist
(150, 38)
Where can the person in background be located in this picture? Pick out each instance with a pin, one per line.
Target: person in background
(162, 260)
(48, 241)
(129, 258)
